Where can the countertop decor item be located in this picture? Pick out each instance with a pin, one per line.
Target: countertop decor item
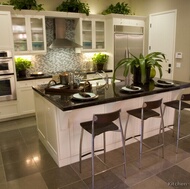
(21, 66)
(74, 6)
(100, 60)
(118, 8)
(24, 4)
(141, 67)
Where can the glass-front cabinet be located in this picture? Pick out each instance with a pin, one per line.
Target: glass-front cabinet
(29, 34)
(93, 34)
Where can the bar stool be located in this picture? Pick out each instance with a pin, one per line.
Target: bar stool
(145, 112)
(101, 124)
(178, 105)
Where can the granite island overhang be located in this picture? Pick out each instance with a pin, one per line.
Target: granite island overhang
(58, 117)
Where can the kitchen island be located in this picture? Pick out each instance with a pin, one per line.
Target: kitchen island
(58, 116)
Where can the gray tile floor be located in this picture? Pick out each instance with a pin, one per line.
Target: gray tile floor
(25, 163)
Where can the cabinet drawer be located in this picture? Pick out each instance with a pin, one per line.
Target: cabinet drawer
(25, 83)
(42, 81)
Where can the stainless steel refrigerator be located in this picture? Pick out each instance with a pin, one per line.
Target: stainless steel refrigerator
(125, 43)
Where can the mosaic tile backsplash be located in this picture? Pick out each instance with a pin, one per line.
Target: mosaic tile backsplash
(58, 60)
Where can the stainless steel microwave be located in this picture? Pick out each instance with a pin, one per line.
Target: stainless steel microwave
(6, 62)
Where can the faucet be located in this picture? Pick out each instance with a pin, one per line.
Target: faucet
(105, 76)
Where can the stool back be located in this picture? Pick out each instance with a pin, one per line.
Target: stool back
(152, 104)
(106, 118)
(185, 97)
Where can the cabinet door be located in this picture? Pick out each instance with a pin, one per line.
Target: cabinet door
(93, 35)
(37, 34)
(8, 109)
(19, 34)
(29, 34)
(99, 35)
(26, 100)
(25, 97)
(6, 40)
(87, 34)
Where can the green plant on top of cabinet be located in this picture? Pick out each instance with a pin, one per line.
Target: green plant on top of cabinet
(93, 35)
(118, 8)
(29, 34)
(74, 6)
(24, 4)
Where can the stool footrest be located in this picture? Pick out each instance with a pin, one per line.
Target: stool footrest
(90, 152)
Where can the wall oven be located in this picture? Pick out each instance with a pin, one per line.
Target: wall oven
(7, 77)
(7, 87)
(6, 62)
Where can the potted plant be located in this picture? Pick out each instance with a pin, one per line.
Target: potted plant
(21, 66)
(142, 68)
(74, 6)
(24, 4)
(100, 60)
(118, 8)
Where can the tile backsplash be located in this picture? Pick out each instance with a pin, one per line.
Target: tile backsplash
(60, 59)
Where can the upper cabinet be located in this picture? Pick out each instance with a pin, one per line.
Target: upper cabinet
(92, 34)
(29, 34)
(6, 40)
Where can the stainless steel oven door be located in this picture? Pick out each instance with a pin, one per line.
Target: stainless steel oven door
(7, 87)
(6, 65)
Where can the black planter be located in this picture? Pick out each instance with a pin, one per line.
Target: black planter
(99, 67)
(22, 73)
(137, 76)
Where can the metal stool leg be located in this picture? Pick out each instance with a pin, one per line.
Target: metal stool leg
(80, 152)
(92, 162)
(178, 130)
(104, 138)
(162, 122)
(124, 152)
(125, 132)
(141, 142)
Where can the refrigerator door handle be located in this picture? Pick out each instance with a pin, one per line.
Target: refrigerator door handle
(126, 53)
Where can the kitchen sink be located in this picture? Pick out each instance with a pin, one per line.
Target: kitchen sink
(99, 82)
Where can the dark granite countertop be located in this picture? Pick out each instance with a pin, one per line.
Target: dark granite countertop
(34, 77)
(112, 94)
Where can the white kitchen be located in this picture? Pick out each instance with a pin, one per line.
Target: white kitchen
(29, 34)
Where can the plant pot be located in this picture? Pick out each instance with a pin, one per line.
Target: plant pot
(137, 76)
(99, 67)
(22, 73)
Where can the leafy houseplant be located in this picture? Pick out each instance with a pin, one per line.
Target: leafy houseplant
(24, 4)
(141, 66)
(21, 66)
(99, 60)
(74, 6)
(119, 8)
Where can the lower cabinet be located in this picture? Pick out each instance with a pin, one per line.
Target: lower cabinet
(25, 95)
(8, 109)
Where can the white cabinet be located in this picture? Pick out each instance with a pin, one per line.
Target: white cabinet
(93, 34)
(29, 34)
(25, 95)
(6, 40)
(8, 109)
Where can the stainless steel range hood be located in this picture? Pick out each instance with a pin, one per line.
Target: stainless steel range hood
(60, 40)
